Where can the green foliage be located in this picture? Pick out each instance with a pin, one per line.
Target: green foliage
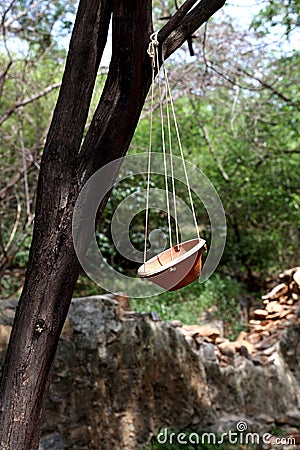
(255, 141)
(38, 25)
(84, 287)
(218, 295)
(284, 13)
(22, 134)
(248, 102)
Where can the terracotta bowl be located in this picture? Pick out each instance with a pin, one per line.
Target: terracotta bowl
(176, 267)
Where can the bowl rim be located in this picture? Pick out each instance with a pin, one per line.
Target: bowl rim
(144, 273)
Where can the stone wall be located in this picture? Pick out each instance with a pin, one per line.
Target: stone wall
(118, 376)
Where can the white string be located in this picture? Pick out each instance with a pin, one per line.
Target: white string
(171, 164)
(164, 151)
(152, 55)
(181, 151)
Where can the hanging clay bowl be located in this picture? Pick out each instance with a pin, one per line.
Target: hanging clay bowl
(176, 267)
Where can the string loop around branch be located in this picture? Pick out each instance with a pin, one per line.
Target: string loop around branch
(154, 43)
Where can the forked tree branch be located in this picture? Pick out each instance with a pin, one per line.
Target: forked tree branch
(86, 48)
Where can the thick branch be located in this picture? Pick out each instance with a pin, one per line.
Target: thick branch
(125, 90)
(50, 282)
(86, 48)
(70, 115)
(173, 36)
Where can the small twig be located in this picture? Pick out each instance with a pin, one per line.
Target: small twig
(26, 101)
(3, 76)
(233, 82)
(16, 224)
(16, 178)
(21, 14)
(5, 258)
(203, 46)
(233, 111)
(26, 188)
(213, 152)
(270, 87)
(7, 10)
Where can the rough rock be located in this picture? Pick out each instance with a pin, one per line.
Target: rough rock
(116, 381)
(118, 375)
(52, 441)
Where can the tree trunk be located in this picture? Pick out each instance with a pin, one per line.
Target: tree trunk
(53, 267)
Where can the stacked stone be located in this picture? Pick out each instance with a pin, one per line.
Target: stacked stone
(281, 307)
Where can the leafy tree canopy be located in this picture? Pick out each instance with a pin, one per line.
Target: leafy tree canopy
(284, 13)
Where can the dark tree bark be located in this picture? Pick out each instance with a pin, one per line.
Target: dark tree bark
(66, 165)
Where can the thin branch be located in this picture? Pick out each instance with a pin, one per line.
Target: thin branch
(22, 13)
(86, 48)
(7, 10)
(231, 81)
(286, 150)
(234, 113)
(16, 245)
(16, 224)
(204, 48)
(3, 76)
(270, 87)
(213, 152)
(26, 188)
(16, 178)
(28, 100)
(275, 152)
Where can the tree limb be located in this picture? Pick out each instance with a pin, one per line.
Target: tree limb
(213, 153)
(176, 31)
(3, 76)
(86, 48)
(271, 88)
(16, 224)
(175, 20)
(28, 100)
(124, 93)
(15, 179)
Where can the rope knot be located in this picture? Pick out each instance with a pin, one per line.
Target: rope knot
(152, 44)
